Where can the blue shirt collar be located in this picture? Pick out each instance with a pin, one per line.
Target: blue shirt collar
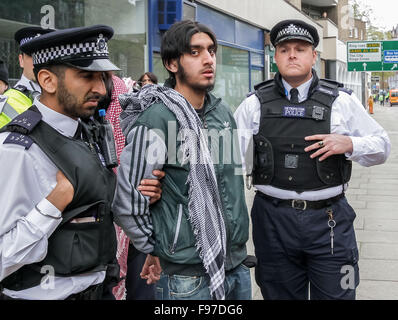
(302, 89)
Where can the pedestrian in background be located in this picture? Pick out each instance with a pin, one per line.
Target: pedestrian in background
(381, 98)
(305, 133)
(147, 78)
(370, 104)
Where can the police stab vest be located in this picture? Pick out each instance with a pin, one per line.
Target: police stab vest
(15, 101)
(73, 248)
(279, 156)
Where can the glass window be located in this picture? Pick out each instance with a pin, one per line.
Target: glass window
(232, 81)
(127, 18)
(257, 59)
(189, 12)
(257, 77)
(158, 69)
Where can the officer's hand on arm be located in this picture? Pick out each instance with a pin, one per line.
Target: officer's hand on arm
(152, 187)
(63, 192)
(328, 145)
(151, 269)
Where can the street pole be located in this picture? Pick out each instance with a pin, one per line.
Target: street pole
(364, 88)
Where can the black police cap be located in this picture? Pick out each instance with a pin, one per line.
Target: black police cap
(85, 48)
(26, 34)
(294, 30)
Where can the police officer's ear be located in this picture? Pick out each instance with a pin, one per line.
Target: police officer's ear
(21, 61)
(314, 55)
(47, 80)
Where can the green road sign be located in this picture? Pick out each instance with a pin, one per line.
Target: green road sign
(372, 55)
(272, 65)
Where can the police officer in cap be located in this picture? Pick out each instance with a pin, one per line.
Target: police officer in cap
(57, 238)
(305, 132)
(23, 36)
(20, 97)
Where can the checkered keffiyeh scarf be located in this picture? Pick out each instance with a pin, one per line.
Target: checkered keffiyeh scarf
(204, 203)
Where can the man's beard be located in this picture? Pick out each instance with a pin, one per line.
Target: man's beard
(184, 78)
(71, 106)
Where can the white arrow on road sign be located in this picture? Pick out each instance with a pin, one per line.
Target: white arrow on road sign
(364, 66)
(394, 66)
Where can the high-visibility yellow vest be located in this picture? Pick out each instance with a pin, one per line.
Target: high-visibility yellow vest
(12, 103)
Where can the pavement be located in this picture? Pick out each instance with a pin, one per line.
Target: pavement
(373, 193)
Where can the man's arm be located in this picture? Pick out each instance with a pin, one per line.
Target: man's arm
(247, 118)
(353, 133)
(144, 153)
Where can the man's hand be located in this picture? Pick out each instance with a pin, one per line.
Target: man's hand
(329, 144)
(152, 187)
(151, 269)
(63, 192)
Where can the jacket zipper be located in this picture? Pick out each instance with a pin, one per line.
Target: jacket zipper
(173, 247)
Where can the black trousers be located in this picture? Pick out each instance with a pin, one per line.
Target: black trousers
(293, 249)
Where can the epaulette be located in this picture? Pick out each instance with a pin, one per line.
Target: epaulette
(20, 127)
(22, 89)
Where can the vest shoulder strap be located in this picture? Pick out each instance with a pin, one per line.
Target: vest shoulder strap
(265, 83)
(22, 89)
(267, 91)
(346, 90)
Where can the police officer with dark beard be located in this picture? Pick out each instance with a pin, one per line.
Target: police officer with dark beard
(57, 238)
(305, 132)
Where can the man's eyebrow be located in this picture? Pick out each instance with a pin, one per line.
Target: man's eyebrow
(212, 46)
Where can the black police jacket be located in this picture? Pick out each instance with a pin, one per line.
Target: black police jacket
(73, 248)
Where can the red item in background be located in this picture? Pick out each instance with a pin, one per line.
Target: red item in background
(112, 115)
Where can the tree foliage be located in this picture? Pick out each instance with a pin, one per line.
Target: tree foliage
(365, 13)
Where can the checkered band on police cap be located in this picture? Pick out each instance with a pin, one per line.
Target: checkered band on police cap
(68, 51)
(293, 30)
(24, 40)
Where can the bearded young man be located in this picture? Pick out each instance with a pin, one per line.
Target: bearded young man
(57, 238)
(306, 132)
(197, 233)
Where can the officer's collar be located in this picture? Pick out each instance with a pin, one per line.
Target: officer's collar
(303, 89)
(281, 87)
(60, 122)
(29, 84)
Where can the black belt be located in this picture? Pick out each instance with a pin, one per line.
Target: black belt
(301, 204)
